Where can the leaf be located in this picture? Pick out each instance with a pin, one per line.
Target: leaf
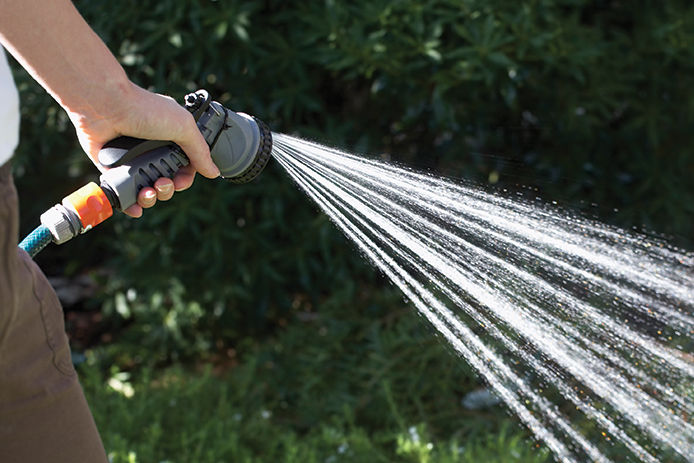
(176, 40)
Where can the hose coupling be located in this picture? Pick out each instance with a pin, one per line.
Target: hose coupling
(78, 213)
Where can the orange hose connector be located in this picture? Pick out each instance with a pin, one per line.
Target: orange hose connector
(91, 205)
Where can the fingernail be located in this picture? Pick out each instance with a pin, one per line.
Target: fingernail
(166, 188)
(150, 195)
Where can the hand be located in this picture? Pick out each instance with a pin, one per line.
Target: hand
(138, 113)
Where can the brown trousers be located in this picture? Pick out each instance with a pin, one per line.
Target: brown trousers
(44, 416)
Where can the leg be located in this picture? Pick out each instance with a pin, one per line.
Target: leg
(43, 413)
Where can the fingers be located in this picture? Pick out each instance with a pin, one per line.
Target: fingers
(162, 190)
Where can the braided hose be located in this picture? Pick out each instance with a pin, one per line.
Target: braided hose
(36, 240)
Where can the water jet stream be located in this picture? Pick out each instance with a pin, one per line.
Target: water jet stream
(549, 308)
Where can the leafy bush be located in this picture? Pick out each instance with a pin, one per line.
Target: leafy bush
(584, 101)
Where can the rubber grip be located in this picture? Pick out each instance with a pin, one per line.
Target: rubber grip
(123, 183)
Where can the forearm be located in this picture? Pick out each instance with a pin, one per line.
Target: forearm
(52, 41)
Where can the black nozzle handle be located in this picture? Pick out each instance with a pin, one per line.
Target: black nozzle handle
(123, 183)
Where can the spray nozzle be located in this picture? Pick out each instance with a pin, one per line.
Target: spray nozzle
(240, 146)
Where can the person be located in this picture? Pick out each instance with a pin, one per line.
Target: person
(43, 413)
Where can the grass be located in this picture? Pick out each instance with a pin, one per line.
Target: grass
(181, 416)
(323, 389)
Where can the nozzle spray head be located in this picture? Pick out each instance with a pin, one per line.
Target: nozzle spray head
(240, 145)
(243, 149)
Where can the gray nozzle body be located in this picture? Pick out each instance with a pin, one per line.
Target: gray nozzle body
(240, 146)
(233, 137)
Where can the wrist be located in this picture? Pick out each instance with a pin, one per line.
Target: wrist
(106, 101)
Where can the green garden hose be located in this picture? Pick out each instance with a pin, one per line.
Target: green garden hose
(36, 240)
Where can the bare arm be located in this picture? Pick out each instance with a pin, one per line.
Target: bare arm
(54, 43)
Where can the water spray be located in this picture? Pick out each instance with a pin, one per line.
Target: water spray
(240, 146)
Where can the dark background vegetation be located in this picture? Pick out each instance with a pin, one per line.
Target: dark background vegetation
(588, 103)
